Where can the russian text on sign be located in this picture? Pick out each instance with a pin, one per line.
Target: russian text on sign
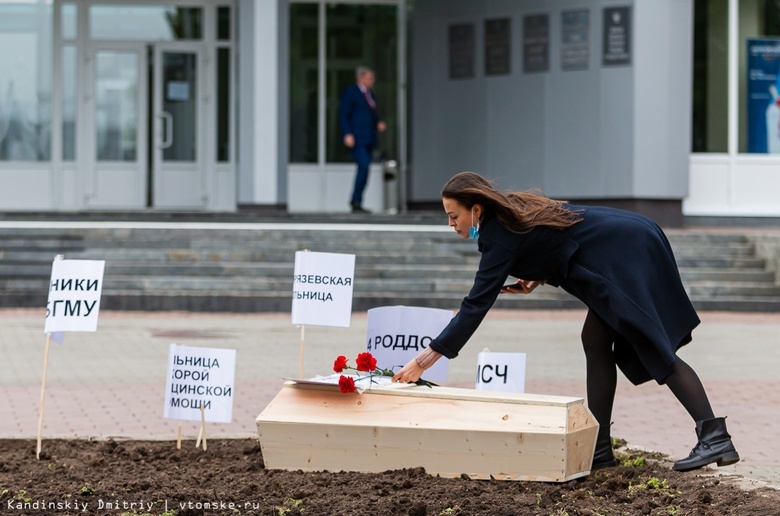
(490, 369)
(314, 296)
(404, 342)
(316, 279)
(194, 403)
(75, 284)
(206, 362)
(202, 390)
(70, 308)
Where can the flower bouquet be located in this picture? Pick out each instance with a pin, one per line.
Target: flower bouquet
(365, 363)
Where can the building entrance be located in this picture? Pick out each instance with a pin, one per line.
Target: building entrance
(145, 113)
(328, 41)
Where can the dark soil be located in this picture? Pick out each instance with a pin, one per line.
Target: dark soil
(141, 477)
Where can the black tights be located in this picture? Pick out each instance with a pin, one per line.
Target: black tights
(597, 341)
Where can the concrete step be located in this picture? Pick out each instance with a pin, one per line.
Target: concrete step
(738, 304)
(249, 270)
(696, 237)
(733, 289)
(691, 276)
(363, 270)
(721, 262)
(692, 251)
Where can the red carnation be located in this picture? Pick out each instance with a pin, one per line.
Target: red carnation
(346, 384)
(340, 364)
(365, 362)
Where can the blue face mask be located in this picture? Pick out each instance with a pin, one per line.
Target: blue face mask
(473, 230)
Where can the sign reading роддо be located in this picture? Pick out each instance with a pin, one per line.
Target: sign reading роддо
(396, 334)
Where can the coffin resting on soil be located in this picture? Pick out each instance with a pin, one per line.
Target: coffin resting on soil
(447, 431)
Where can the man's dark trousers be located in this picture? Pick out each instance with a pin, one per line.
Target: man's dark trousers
(362, 155)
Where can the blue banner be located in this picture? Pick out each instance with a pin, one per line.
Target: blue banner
(763, 104)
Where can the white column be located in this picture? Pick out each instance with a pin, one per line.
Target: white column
(258, 102)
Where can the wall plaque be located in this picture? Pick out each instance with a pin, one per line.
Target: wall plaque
(536, 43)
(616, 44)
(497, 46)
(461, 51)
(575, 40)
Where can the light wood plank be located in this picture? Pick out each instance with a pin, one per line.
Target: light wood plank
(459, 431)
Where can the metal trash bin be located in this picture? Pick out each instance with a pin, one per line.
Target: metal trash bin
(390, 174)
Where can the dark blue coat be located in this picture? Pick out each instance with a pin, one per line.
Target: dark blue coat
(618, 263)
(356, 117)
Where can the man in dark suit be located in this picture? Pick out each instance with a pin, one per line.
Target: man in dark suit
(360, 123)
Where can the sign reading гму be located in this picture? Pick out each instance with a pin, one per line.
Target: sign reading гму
(74, 295)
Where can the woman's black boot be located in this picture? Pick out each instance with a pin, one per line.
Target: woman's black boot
(603, 457)
(714, 446)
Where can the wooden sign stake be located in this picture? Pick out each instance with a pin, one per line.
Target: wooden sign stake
(43, 391)
(300, 369)
(303, 328)
(178, 436)
(202, 433)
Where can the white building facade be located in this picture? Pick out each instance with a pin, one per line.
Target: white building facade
(231, 105)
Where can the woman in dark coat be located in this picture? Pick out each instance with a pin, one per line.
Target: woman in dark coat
(619, 264)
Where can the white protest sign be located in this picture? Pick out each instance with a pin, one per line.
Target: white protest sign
(502, 372)
(322, 288)
(200, 375)
(396, 334)
(74, 295)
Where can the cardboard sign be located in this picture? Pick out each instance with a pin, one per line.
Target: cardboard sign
(200, 376)
(396, 334)
(74, 295)
(501, 372)
(322, 288)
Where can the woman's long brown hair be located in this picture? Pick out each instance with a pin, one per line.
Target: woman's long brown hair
(519, 212)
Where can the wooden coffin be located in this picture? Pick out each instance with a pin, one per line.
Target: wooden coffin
(447, 431)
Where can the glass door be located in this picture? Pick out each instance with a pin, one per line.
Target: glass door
(361, 35)
(178, 109)
(116, 147)
(328, 41)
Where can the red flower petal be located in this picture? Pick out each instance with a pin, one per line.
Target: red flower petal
(365, 362)
(340, 363)
(346, 384)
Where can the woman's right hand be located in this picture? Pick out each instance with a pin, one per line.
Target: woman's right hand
(521, 287)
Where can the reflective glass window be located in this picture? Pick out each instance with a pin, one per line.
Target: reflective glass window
(69, 21)
(223, 23)
(69, 104)
(116, 105)
(223, 104)
(25, 81)
(145, 22)
(304, 84)
(710, 76)
(759, 72)
(361, 35)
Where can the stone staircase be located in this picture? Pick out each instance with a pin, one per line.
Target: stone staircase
(249, 267)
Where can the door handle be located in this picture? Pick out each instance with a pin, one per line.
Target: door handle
(168, 132)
